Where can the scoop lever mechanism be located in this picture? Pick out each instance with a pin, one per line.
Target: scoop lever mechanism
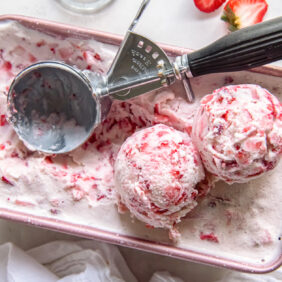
(141, 66)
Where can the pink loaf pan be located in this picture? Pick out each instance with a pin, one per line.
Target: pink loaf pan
(89, 232)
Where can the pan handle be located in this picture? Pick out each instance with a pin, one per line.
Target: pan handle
(243, 49)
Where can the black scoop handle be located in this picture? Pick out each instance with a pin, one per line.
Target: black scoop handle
(243, 49)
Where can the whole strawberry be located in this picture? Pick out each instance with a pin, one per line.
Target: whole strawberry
(242, 13)
(208, 6)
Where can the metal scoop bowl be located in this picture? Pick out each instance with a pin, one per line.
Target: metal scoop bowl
(54, 108)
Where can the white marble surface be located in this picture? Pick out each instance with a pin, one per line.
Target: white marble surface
(179, 24)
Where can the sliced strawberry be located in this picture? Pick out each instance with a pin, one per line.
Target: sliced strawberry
(208, 6)
(242, 13)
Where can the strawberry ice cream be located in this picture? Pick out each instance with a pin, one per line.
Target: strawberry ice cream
(156, 174)
(243, 224)
(238, 131)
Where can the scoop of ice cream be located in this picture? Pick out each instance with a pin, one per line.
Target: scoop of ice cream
(238, 132)
(156, 174)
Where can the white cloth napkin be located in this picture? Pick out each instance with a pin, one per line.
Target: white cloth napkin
(68, 261)
(83, 261)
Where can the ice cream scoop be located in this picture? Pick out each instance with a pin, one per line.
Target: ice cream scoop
(157, 175)
(238, 132)
(55, 107)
